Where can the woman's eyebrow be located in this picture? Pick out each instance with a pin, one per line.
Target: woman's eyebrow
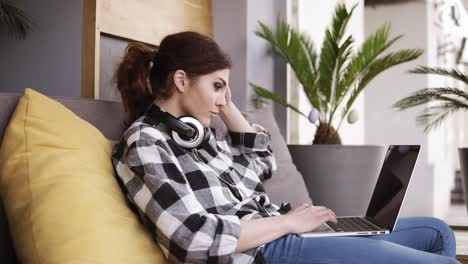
(224, 82)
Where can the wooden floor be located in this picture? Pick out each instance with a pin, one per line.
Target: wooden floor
(458, 219)
(457, 215)
(461, 235)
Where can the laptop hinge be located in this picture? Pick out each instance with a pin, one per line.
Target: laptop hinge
(372, 221)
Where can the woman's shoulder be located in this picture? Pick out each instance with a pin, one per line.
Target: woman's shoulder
(143, 129)
(141, 133)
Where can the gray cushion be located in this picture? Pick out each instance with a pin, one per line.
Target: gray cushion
(287, 184)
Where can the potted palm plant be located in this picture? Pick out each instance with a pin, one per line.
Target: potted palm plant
(17, 22)
(444, 101)
(332, 79)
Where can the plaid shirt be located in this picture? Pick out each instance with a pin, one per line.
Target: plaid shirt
(192, 200)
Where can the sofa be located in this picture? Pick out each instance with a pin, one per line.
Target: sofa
(286, 185)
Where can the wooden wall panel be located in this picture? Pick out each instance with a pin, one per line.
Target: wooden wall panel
(89, 48)
(141, 20)
(149, 20)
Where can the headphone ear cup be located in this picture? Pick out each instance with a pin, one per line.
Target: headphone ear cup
(202, 134)
(206, 138)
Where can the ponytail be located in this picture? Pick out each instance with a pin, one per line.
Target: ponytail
(139, 83)
(131, 80)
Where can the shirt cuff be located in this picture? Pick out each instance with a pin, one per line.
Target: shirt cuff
(259, 140)
(225, 242)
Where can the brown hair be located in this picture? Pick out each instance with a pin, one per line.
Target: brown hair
(139, 83)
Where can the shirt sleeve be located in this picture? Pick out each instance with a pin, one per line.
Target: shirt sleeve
(159, 189)
(253, 150)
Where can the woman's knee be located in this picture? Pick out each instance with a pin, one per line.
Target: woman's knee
(445, 232)
(441, 226)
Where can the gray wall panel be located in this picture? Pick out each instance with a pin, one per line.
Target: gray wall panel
(49, 60)
(234, 23)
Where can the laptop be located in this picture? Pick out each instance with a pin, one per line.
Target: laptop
(386, 201)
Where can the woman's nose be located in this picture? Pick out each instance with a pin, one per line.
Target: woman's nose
(221, 100)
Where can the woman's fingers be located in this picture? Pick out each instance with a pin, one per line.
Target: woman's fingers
(321, 208)
(228, 95)
(324, 214)
(329, 217)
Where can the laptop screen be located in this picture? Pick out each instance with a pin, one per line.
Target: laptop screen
(392, 184)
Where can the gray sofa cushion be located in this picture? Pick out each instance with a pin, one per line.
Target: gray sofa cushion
(287, 184)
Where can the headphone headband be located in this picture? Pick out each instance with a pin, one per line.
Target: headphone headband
(171, 121)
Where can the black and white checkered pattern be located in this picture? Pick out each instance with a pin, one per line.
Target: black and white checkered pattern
(192, 200)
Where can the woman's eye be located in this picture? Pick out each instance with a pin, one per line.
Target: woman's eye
(218, 86)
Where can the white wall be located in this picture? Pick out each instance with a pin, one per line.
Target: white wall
(429, 192)
(314, 17)
(379, 123)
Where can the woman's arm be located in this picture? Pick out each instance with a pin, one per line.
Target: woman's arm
(305, 218)
(257, 232)
(249, 144)
(234, 119)
(157, 185)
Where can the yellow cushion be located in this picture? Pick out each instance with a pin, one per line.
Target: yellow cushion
(62, 201)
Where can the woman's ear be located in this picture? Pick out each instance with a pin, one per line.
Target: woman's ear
(180, 80)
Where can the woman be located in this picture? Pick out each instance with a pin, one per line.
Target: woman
(207, 204)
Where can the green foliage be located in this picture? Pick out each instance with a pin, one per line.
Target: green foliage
(333, 79)
(267, 94)
(444, 100)
(17, 22)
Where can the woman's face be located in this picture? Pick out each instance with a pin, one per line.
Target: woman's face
(206, 95)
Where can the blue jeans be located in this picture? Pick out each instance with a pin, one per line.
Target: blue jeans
(414, 240)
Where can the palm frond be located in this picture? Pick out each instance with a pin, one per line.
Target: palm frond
(260, 91)
(17, 22)
(336, 73)
(333, 55)
(433, 94)
(453, 73)
(373, 46)
(297, 51)
(340, 21)
(344, 55)
(311, 52)
(435, 115)
(377, 66)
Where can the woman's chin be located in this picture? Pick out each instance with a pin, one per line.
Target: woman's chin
(206, 122)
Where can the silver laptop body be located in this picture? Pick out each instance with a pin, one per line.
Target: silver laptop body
(386, 201)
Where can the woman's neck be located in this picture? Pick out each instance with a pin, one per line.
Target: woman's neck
(171, 106)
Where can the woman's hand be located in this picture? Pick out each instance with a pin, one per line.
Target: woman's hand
(256, 232)
(228, 95)
(307, 217)
(232, 117)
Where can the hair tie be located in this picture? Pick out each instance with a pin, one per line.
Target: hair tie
(153, 55)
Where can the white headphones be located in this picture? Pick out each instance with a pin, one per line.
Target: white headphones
(186, 131)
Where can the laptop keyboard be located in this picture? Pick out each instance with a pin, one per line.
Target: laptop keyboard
(352, 224)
